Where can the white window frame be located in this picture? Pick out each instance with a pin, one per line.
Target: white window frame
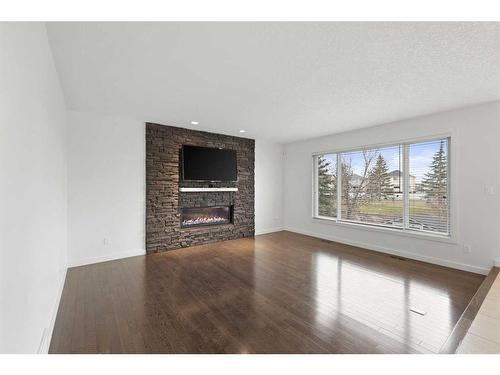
(449, 237)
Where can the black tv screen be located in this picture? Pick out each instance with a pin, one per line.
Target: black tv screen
(208, 164)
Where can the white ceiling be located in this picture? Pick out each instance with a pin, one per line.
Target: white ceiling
(278, 81)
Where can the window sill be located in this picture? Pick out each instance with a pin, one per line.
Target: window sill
(400, 232)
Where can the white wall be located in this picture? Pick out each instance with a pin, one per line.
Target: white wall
(32, 189)
(268, 186)
(475, 165)
(106, 187)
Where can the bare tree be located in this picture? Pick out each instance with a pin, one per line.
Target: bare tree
(352, 196)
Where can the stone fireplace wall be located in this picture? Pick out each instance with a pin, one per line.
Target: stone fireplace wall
(164, 201)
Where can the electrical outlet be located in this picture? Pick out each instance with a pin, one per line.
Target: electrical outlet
(105, 241)
(489, 190)
(467, 249)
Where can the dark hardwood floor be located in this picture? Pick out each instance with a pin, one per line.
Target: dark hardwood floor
(277, 293)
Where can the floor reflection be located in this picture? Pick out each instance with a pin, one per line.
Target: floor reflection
(379, 301)
(328, 288)
(277, 293)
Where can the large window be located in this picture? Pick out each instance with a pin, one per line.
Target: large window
(403, 186)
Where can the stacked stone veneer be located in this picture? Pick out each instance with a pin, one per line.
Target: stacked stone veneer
(164, 201)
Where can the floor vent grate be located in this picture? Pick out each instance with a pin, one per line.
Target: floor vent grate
(417, 311)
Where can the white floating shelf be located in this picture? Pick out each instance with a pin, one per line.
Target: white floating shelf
(196, 190)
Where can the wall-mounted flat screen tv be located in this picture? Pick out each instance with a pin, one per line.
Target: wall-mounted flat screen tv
(208, 164)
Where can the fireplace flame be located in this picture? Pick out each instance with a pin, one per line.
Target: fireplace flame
(204, 220)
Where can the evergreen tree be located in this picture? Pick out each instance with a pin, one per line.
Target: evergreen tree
(379, 181)
(435, 182)
(327, 189)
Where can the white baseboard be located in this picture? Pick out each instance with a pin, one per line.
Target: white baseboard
(404, 254)
(496, 262)
(271, 230)
(106, 257)
(47, 333)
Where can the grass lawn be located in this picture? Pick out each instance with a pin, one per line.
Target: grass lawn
(395, 207)
(389, 207)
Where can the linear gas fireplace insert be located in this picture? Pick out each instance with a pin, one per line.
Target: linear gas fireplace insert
(198, 216)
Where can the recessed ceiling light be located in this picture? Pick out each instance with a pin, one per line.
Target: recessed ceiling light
(194, 122)
(242, 131)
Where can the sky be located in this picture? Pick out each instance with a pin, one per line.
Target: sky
(421, 155)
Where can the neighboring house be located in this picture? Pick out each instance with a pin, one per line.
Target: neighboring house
(356, 181)
(397, 179)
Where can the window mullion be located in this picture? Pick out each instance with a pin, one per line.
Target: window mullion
(339, 186)
(315, 186)
(406, 187)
